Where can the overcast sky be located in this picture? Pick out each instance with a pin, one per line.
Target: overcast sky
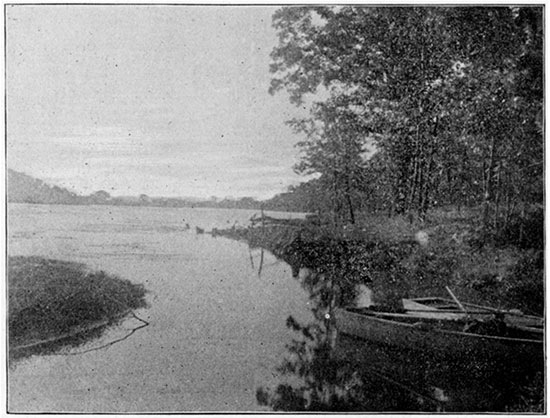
(161, 100)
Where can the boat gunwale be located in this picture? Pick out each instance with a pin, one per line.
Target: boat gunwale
(487, 309)
(441, 331)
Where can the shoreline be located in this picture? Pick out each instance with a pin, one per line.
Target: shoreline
(407, 260)
(413, 266)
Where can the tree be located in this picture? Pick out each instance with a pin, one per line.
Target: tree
(449, 95)
(333, 149)
(383, 68)
(503, 51)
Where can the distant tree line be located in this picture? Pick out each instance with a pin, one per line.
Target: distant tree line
(23, 188)
(449, 100)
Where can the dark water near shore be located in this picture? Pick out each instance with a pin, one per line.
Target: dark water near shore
(217, 330)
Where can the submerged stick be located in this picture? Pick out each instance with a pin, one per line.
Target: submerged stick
(262, 248)
(251, 258)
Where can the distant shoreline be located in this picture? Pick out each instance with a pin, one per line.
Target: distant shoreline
(23, 188)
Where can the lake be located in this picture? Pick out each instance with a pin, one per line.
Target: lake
(217, 329)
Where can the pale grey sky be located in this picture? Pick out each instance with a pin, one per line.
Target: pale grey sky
(162, 100)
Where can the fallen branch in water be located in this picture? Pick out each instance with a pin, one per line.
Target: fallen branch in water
(67, 335)
(145, 323)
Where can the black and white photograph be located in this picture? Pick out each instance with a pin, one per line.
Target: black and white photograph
(274, 208)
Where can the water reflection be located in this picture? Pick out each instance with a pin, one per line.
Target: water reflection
(324, 371)
(320, 379)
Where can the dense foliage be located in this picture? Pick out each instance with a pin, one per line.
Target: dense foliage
(449, 100)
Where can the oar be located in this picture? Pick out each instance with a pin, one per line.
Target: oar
(494, 310)
(456, 300)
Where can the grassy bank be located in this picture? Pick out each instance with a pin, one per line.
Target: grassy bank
(53, 303)
(400, 258)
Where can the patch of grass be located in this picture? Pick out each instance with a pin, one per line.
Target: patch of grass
(49, 299)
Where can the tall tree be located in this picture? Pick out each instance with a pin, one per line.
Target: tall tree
(333, 149)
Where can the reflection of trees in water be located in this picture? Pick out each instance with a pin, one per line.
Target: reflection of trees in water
(321, 374)
(318, 379)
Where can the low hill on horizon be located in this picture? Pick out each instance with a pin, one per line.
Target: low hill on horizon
(22, 188)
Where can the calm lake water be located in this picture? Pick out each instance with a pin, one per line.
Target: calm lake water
(217, 330)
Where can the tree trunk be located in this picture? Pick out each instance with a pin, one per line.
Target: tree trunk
(425, 190)
(497, 197)
(415, 175)
(510, 202)
(488, 185)
(521, 222)
(425, 195)
(416, 169)
(349, 201)
(351, 211)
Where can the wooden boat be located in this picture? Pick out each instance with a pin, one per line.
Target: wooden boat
(431, 343)
(440, 335)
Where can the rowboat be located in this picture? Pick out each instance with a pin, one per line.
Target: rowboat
(440, 334)
(434, 343)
